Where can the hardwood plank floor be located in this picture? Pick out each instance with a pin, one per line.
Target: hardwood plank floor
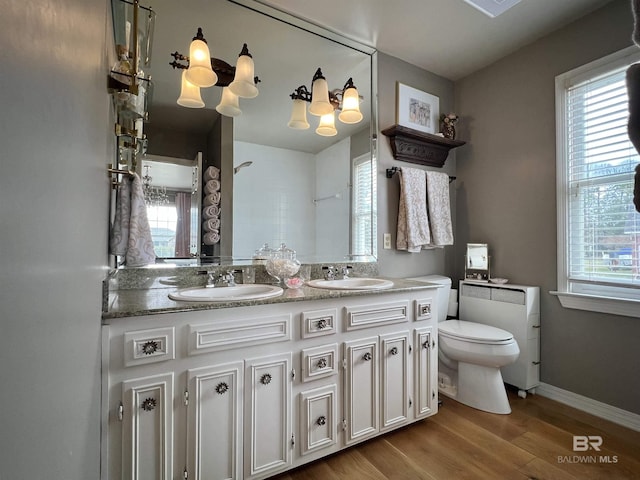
(534, 442)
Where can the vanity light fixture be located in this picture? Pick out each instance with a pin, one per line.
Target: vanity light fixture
(324, 103)
(203, 71)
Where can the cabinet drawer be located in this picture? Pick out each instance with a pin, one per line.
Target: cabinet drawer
(149, 346)
(211, 337)
(373, 315)
(319, 362)
(318, 426)
(316, 323)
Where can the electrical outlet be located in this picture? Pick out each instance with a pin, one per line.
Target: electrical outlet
(387, 241)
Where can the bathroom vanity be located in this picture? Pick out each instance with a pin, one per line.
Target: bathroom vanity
(251, 389)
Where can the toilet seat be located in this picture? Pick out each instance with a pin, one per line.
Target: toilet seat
(474, 332)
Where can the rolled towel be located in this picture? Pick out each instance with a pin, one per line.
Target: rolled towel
(212, 199)
(211, 173)
(211, 238)
(212, 186)
(211, 224)
(212, 211)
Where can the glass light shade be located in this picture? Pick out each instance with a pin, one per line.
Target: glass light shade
(298, 118)
(327, 127)
(350, 106)
(200, 72)
(229, 104)
(189, 94)
(320, 98)
(243, 84)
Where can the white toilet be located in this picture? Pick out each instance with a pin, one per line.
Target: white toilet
(470, 356)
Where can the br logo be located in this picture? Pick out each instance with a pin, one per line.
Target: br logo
(582, 443)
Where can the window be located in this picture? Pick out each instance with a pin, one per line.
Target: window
(363, 231)
(598, 227)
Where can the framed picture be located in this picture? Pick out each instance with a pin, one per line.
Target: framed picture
(416, 109)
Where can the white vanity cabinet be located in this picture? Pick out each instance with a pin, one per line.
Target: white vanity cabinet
(252, 391)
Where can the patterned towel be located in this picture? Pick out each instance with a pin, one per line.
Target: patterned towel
(439, 209)
(413, 224)
(130, 233)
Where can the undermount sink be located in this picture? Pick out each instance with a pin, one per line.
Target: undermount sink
(237, 293)
(352, 284)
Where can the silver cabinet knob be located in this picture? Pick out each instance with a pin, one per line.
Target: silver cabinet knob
(222, 388)
(150, 347)
(394, 351)
(265, 379)
(148, 404)
(322, 363)
(322, 323)
(321, 420)
(367, 356)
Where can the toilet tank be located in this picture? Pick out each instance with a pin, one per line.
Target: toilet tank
(442, 295)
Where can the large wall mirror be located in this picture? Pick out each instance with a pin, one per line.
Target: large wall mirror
(278, 185)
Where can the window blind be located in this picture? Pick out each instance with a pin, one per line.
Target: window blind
(364, 212)
(603, 226)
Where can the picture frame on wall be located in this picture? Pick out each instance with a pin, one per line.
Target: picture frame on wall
(417, 109)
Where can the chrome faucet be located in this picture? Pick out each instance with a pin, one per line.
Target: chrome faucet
(229, 278)
(330, 273)
(345, 271)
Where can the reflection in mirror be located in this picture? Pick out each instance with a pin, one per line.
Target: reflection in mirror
(173, 202)
(477, 261)
(314, 193)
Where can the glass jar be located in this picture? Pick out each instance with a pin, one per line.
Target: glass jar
(282, 264)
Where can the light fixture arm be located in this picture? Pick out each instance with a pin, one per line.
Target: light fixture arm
(223, 70)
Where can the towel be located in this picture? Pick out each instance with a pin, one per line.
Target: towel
(130, 233)
(120, 228)
(211, 238)
(211, 173)
(439, 209)
(211, 224)
(413, 223)
(212, 211)
(212, 186)
(211, 199)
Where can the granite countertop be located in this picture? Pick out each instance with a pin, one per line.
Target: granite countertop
(134, 302)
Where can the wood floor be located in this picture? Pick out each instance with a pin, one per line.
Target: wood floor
(534, 442)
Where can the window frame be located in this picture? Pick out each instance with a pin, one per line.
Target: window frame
(601, 298)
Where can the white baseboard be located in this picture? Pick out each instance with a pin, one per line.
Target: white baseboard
(599, 409)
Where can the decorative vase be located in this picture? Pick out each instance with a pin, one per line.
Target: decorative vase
(448, 130)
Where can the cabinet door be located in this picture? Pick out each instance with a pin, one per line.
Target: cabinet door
(214, 445)
(147, 416)
(361, 389)
(426, 372)
(394, 356)
(318, 422)
(269, 438)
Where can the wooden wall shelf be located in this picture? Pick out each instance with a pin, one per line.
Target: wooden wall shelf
(413, 146)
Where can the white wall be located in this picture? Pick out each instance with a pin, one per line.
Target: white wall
(333, 173)
(56, 141)
(278, 186)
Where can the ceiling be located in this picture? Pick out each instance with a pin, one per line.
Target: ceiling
(447, 37)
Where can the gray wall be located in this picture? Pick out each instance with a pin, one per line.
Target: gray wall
(392, 262)
(56, 141)
(506, 197)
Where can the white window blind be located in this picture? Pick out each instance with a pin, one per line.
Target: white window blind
(601, 226)
(364, 215)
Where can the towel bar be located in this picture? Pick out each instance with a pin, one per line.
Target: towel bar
(393, 170)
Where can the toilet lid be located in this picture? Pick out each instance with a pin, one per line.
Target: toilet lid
(474, 332)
